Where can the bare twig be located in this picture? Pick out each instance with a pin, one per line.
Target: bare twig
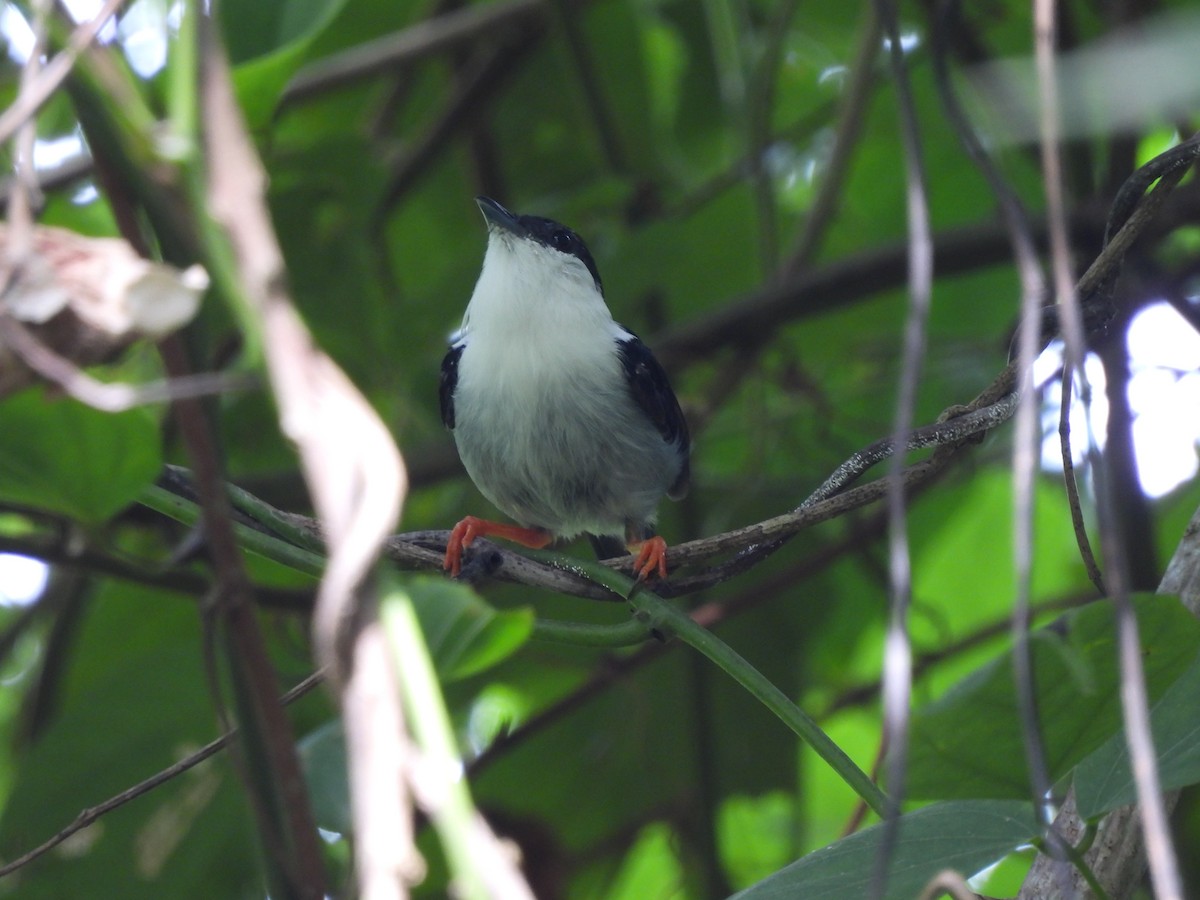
(759, 107)
(93, 813)
(426, 38)
(423, 550)
(31, 99)
(1164, 867)
(949, 883)
(1028, 432)
(897, 658)
(22, 201)
(65, 551)
(107, 396)
(479, 84)
(603, 121)
(68, 172)
(1072, 486)
(851, 114)
(1169, 168)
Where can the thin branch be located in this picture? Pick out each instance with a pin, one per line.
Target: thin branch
(1168, 168)
(814, 292)
(231, 165)
(23, 200)
(604, 123)
(948, 882)
(68, 172)
(424, 550)
(247, 651)
(1025, 443)
(868, 691)
(1025, 457)
(108, 396)
(1070, 320)
(897, 659)
(50, 79)
(1164, 868)
(65, 551)
(759, 107)
(426, 38)
(474, 91)
(1072, 486)
(93, 813)
(851, 115)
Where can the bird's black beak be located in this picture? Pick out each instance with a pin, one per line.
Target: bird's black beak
(499, 217)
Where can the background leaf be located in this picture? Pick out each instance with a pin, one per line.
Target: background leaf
(969, 744)
(960, 835)
(1103, 781)
(70, 458)
(465, 636)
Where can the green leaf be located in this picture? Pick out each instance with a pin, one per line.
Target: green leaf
(464, 634)
(756, 834)
(131, 699)
(252, 30)
(969, 743)
(963, 835)
(268, 42)
(1104, 781)
(63, 456)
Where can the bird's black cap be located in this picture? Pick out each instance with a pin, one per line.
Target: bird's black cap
(546, 232)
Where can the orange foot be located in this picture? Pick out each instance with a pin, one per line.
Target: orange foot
(469, 528)
(651, 558)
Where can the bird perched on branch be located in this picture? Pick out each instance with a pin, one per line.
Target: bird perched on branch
(563, 418)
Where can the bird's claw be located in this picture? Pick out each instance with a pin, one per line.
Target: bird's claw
(461, 537)
(651, 559)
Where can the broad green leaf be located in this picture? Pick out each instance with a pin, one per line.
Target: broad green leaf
(963, 835)
(133, 699)
(464, 634)
(267, 43)
(756, 835)
(253, 30)
(58, 454)
(969, 743)
(1104, 781)
(651, 867)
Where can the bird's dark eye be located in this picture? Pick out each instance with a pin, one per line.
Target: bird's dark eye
(561, 241)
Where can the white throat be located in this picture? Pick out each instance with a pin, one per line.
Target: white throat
(530, 297)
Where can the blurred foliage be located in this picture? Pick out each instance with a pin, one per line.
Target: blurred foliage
(643, 772)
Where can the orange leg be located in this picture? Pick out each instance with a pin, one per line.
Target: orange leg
(470, 528)
(651, 558)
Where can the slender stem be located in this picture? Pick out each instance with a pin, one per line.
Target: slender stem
(665, 617)
(651, 613)
(182, 70)
(656, 614)
(443, 791)
(183, 510)
(624, 634)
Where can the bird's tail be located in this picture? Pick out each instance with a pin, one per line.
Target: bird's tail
(607, 547)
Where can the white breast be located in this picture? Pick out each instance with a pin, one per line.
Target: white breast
(545, 423)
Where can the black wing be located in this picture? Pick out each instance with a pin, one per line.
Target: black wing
(448, 382)
(651, 389)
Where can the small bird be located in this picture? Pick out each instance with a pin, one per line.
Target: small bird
(563, 418)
